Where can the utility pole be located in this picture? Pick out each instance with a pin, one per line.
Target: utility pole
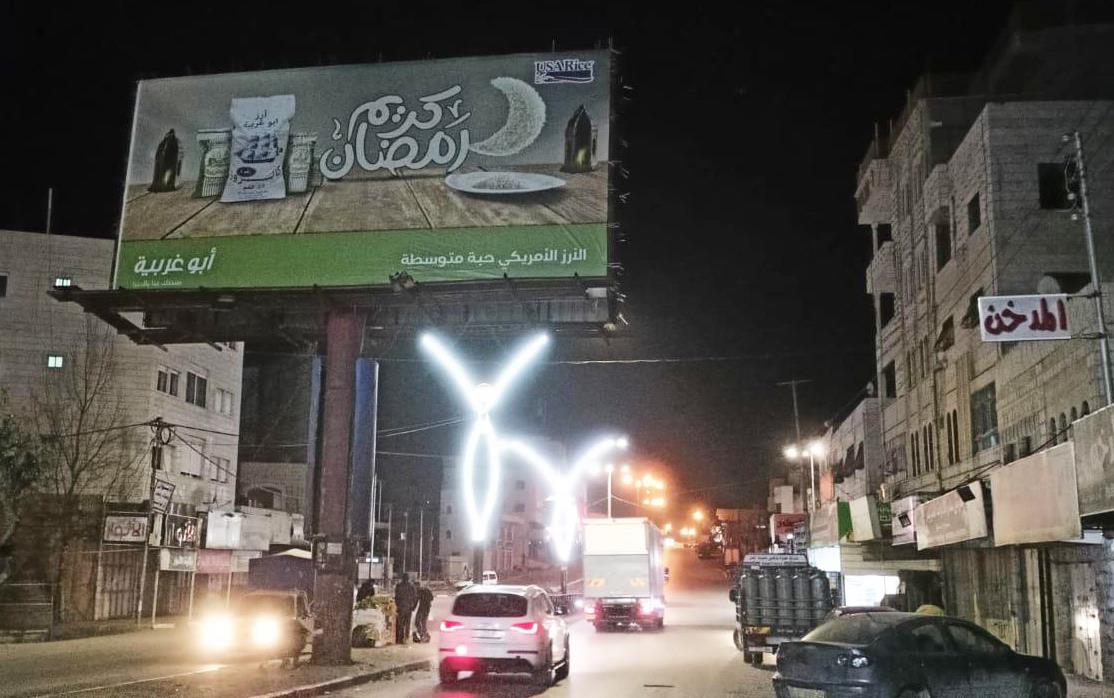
(1096, 281)
(388, 568)
(406, 541)
(160, 437)
(793, 383)
(421, 540)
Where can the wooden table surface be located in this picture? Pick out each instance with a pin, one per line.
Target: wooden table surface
(382, 202)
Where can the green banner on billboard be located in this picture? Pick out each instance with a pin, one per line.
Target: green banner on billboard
(365, 258)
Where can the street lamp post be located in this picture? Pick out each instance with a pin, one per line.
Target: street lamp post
(813, 450)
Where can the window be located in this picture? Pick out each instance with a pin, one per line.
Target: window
(520, 484)
(1058, 185)
(161, 380)
(3, 285)
(971, 317)
(984, 419)
(951, 439)
(192, 460)
(915, 454)
(225, 399)
(448, 508)
(54, 361)
(943, 245)
(1086, 409)
(970, 641)
(219, 469)
(1074, 415)
(889, 377)
(196, 389)
(885, 308)
(929, 639)
(1052, 432)
(520, 508)
(909, 371)
(448, 534)
(63, 281)
(885, 234)
(485, 605)
(974, 215)
(167, 381)
(946, 338)
(1064, 426)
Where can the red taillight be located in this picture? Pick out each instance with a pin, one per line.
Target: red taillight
(529, 628)
(447, 626)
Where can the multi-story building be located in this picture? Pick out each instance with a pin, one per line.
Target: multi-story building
(71, 378)
(519, 539)
(974, 191)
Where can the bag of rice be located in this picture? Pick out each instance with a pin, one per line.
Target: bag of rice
(260, 128)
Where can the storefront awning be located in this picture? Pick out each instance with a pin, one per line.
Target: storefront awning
(1036, 499)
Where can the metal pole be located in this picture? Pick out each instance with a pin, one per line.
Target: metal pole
(388, 568)
(228, 591)
(155, 594)
(812, 477)
(421, 540)
(156, 451)
(193, 580)
(609, 494)
(406, 541)
(1096, 282)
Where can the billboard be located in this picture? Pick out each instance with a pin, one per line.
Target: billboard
(1035, 498)
(450, 170)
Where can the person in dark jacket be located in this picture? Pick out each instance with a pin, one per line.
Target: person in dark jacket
(421, 618)
(366, 590)
(406, 598)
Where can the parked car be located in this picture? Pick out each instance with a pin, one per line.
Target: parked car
(840, 611)
(905, 655)
(263, 624)
(504, 629)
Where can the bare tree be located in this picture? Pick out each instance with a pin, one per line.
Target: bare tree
(19, 470)
(86, 445)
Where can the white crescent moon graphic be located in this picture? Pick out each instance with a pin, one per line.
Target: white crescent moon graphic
(525, 119)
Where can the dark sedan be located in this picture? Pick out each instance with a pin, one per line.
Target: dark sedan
(905, 655)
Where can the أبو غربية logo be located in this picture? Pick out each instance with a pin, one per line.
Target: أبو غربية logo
(564, 70)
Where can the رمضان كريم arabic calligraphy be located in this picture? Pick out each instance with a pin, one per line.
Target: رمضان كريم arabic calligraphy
(177, 263)
(548, 256)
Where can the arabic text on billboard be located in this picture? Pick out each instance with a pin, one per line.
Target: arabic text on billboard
(450, 170)
(954, 517)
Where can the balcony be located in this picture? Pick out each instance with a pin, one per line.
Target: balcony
(873, 195)
(880, 274)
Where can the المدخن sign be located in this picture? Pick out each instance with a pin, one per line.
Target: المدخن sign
(1018, 318)
(461, 169)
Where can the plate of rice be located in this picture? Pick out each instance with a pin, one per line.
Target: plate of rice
(502, 183)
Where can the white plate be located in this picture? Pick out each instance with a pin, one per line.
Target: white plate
(502, 183)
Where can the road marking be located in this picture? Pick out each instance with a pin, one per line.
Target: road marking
(206, 670)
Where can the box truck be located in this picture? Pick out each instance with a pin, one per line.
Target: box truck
(624, 574)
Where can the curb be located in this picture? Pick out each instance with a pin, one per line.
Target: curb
(317, 689)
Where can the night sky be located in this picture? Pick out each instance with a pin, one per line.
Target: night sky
(745, 130)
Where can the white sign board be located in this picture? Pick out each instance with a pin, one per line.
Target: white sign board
(864, 519)
(904, 529)
(1094, 461)
(121, 528)
(1021, 318)
(1036, 499)
(954, 517)
(161, 495)
(175, 560)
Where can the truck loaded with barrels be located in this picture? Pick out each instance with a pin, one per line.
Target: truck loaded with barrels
(778, 597)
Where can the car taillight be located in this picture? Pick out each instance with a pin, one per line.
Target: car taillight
(529, 628)
(856, 661)
(447, 626)
(647, 606)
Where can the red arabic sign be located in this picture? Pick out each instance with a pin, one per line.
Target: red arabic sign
(1016, 318)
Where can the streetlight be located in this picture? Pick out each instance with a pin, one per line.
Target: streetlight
(814, 449)
(698, 515)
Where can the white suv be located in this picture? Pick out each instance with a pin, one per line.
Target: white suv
(503, 628)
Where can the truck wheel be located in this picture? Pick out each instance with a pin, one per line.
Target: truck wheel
(447, 675)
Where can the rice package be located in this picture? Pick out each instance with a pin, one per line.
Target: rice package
(260, 129)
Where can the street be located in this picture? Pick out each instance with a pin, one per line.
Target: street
(693, 656)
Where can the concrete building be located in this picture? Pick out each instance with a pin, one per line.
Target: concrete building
(67, 373)
(969, 194)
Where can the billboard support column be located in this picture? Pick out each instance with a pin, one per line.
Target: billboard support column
(332, 591)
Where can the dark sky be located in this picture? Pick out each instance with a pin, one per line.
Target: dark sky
(744, 135)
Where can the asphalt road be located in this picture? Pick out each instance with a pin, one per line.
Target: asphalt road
(71, 666)
(693, 656)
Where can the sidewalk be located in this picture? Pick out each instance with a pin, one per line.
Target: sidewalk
(274, 681)
(1079, 687)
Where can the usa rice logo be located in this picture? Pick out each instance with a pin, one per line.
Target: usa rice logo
(564, 70)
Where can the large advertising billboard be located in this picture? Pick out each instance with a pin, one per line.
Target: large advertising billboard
(450, 170)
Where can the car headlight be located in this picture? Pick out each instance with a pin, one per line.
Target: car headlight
(265, 632)
(216, 632)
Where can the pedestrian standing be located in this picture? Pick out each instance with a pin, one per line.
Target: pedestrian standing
(406, 598)
(421, 618)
